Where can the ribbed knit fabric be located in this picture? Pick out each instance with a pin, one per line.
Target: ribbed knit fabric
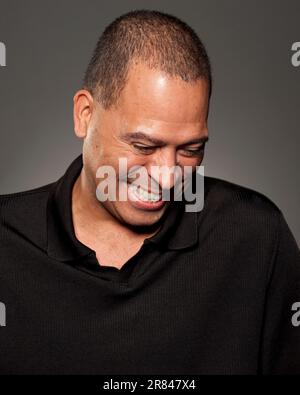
(210, 293)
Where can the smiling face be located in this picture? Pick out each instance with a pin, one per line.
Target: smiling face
(158, 121)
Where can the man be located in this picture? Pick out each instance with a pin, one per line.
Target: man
(143, 285)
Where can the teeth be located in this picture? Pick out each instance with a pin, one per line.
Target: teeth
(144, 195)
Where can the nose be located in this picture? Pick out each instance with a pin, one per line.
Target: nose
(164, 169)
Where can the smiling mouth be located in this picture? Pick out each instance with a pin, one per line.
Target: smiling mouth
(144, 200)
(144, 195)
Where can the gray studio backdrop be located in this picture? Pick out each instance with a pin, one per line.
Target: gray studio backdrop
(254, 118)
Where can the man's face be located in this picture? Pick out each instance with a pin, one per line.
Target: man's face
(159, 121)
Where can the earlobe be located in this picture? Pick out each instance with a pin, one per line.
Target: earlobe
(82, 112)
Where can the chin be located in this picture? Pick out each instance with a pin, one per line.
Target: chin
(138, 218)
(141, 221)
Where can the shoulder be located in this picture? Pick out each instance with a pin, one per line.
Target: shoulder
(20, 200)
(25, 212)
(228, 195)
(236, 208)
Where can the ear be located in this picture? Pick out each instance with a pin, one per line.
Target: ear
(82, 112)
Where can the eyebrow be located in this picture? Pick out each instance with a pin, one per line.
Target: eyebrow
(129, 137)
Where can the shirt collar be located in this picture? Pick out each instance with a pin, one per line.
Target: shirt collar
(179, 229)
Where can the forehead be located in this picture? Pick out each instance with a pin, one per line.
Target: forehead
(153, 95)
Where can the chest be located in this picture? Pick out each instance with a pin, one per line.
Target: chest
(112, 248)
(116, 255)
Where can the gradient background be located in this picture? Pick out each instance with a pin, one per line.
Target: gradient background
(254, 117)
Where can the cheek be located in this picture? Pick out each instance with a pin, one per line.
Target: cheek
(129, 166)
(191, 162)
(93, 147)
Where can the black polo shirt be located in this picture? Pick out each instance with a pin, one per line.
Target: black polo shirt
(210, 293)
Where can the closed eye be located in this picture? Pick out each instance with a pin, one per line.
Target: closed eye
(193, 151)
(190, 152)
(145, 149)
